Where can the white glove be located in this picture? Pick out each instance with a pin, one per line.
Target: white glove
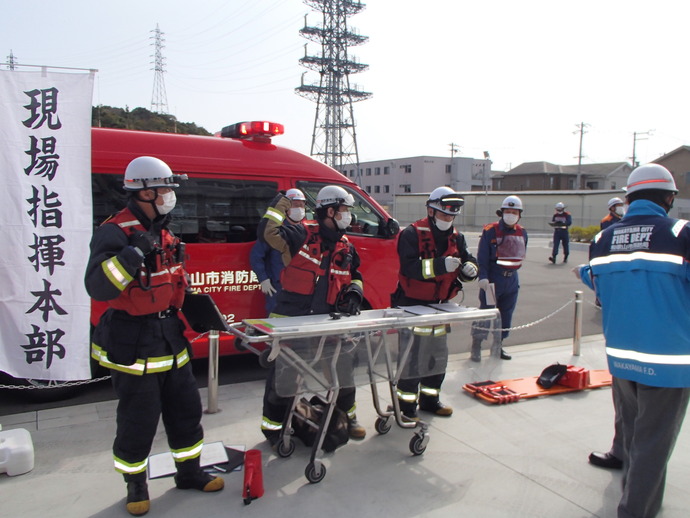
(470, 270)
(452, 264)
(483, 284)
(267, 288)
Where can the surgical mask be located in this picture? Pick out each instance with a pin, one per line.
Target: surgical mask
(344, 221)
(619, 210)
(169, 200)
(296, 213)
(443, 225)
(510, 219)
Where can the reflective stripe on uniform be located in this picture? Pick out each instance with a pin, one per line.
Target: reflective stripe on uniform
(407, 397)
(139, 367)
(267, 424)
(428, 391)
(644, 256)
(439, 330)
(191, 452)
(660, 359)
(352, 412)
(275, 215)
(308, 256)
(116, 273)
(131, 468)
(428, 268)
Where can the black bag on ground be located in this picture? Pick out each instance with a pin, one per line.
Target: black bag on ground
(313, 411)
(551, 374)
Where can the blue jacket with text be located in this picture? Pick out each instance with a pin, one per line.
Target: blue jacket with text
(639, 269)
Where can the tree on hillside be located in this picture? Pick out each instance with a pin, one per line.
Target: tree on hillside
(141, 119)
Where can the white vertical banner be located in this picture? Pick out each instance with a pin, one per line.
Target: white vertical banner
(46, 221)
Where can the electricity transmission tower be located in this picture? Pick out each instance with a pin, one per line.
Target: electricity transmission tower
(334, 139)
(11, 60)
(159, 99)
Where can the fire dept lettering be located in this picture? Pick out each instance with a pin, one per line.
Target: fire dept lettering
(224, 281)
(631, 238)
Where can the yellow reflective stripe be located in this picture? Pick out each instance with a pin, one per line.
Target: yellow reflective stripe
(267, 424)
(428, 268)
(352, 412)
(116, 273)
(408, 397)
(160, 364)
(440, 330)
(359, 283)
(137, 368)
(428, 391)
(422, 331)
(275, 215)
(190, 452)
(182, 358)
(130, 468)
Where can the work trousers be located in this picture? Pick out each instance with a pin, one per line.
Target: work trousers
(561, 236)
(507, 289)
(143, 399)
(425, 369)
(651, 419)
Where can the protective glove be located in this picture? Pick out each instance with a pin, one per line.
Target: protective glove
(352, 304)
(452, 264)
(470, 270)
(483, 284)
(143, 243)
(267, 288)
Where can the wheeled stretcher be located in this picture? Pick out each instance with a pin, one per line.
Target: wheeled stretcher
(323, 354)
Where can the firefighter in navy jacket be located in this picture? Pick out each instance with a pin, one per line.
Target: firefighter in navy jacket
(560, 221)
(640, 270)
(321, 276)
(136, 265)
(615, 214)
(502, 248)
(433, 261)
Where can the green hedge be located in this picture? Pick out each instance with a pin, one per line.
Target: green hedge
(583, 234)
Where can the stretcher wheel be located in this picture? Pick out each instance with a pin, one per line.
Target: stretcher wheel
(240, 345)
(382, 425)
(263, 358)
(285, 450)
(312, 476)
(417, 445)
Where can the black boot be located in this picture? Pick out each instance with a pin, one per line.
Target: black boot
(138, 502)
(565, 259)
(191, 476)
(434, 405)
(476, 354)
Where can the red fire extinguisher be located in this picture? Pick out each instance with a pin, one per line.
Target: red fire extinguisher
(253, 486)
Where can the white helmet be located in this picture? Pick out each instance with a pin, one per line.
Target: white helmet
(295, 195)
(446, 200)
(651, 176)
(147, 172)
(334, 196)
(512, 202)
(559, 206)
(614, 201)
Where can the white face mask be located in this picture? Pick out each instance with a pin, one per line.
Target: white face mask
(169, 200)
(443, 225)
(296, 213)
(620, 210)
(344, 221)
(510, 219)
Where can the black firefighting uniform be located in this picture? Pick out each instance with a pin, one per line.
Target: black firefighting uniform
(148, 355)
(290, 304)
(430, 343)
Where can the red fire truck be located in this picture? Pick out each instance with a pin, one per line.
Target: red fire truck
(232, 178)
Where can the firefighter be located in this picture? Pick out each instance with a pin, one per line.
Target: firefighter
(433, 261)
(502, 248)
(639, 270)
(321, 276)
(266, 261)
(616, 211)
(136, 265)
(560, 221)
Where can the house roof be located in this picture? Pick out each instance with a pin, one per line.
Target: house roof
(671, 153)
(549, 168)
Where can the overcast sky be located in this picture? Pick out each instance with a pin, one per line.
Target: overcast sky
(514, 78)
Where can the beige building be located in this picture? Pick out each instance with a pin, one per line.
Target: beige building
(532, 176)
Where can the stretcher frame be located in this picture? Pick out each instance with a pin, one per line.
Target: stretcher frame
(366, 330)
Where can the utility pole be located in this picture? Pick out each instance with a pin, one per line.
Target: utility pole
(582, 132)
(454, 148)
(643, 135)
(11, 60)
(334, 139)
(159, 99)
